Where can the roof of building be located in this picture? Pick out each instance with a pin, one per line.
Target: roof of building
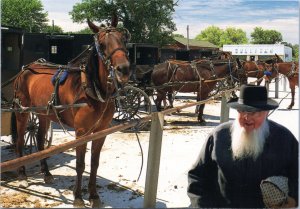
(195, 43)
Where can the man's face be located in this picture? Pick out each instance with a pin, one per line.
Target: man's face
(251, 120)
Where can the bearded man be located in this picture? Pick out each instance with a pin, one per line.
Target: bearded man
(238, 155)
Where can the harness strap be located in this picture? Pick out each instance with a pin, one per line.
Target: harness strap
(88, 89)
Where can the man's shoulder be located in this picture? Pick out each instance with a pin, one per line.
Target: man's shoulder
(279, 130)
(222, 130)
(224, 126)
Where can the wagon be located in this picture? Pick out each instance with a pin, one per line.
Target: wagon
(136, 98)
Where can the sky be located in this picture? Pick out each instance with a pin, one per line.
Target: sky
(279, 15)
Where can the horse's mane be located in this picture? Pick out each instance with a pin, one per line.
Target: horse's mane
(92, 66)
(81, 59)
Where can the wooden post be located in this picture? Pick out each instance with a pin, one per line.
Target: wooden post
(153, 159)
(224, 110)
(276, 87)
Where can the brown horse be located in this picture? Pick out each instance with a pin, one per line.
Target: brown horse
(291, 71)
(204, 75)
(89, 80)
(254, 69)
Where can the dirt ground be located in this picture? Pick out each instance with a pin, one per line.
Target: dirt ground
(120, 163)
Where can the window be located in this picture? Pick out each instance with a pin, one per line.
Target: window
(53, 49)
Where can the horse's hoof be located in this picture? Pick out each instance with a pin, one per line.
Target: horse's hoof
(49, 179)
(95, 203)
(289, 108)
(23, 183)
(78, 203)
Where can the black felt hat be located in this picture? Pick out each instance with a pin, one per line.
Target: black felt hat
(253, 99)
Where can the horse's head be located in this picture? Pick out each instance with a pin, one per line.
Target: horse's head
(110, 45)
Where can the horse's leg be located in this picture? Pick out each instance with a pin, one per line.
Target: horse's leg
(21, 121)
(200, 110)
(259, 81)
(80, 165)
(170, 98)
(292, 87)
(160, 97)
(95, 157)
(42, 130)
(200, 114)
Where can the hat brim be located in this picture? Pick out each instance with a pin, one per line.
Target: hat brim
(270, 105)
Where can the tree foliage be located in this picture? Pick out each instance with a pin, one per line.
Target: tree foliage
(211, 34)
(147, 20)
(233, 36)
(52, 29)
(295, 50)
(25, 14)
(220, 37)
(85, 30)
(261, 36)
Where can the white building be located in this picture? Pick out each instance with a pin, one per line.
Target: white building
(259, 51)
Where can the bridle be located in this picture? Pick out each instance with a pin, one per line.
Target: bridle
(107, 58)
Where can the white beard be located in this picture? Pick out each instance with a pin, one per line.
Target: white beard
(245, 144)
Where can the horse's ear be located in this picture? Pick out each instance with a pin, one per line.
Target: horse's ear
(114, 20)
(92, 26)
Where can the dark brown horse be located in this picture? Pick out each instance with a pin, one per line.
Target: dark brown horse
(291, 71)
(254, 69)
(204, 75)
(88, 80)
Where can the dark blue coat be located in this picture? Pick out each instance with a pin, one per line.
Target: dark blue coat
(217, 180)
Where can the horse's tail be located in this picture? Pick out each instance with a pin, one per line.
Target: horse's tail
(13, 129)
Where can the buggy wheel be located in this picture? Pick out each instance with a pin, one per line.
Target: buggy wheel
(133, 103)
(31, 133)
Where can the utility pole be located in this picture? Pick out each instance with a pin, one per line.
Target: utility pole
(52, 26)
(187, 31)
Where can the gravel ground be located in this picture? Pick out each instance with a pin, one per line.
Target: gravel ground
(121, 160)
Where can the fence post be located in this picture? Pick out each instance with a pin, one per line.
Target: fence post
(268, 88)
(224, 110)
(153, 159)
(284, 83)
(276, 87)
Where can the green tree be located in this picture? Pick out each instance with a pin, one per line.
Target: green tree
(86, 30)
(25, 14)
(178, 35)
(295, 50)
(147, 20)
(261, 36)
(233, 36)
(51, 29)
(211, 34)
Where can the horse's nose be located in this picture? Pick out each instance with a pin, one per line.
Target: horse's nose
(123, 72)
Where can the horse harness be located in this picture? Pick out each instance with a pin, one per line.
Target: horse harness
(88, 89)
(292, 71)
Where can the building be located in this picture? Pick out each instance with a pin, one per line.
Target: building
(19, 48)
(187, 49)
(260, 51)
